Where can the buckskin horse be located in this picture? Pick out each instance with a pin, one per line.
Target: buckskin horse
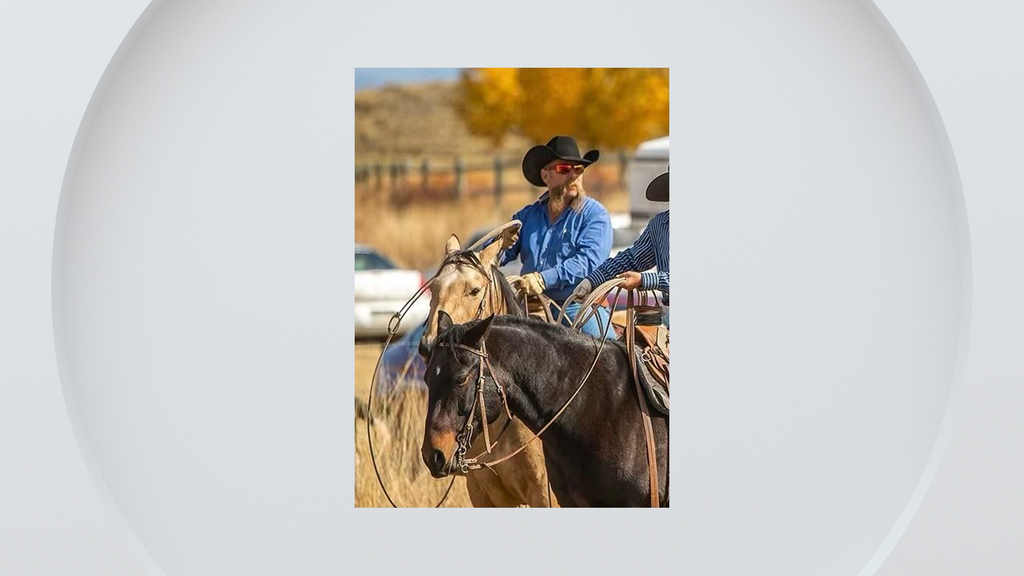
(595, 451)
(468, 287)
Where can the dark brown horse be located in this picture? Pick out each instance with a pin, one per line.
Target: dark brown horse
(468, 287)
(595, 451)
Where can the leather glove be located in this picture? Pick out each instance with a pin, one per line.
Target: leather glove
(532, 284)
(581, 291)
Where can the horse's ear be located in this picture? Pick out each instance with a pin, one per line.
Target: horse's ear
(444, 322)
(475, 335)
(489, 255)
(452, 245)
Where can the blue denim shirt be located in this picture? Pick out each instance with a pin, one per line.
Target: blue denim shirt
(563, 252)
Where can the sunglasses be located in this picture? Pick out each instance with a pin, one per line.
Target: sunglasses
(568, 168)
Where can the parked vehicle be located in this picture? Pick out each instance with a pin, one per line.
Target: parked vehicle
(381, 289)
(402, 364)
(650, 159)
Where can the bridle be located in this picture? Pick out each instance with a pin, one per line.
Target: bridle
(470, 259)
(465, 436)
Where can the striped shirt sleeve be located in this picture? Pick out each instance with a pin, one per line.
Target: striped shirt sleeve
(654, 281)
(639, 256)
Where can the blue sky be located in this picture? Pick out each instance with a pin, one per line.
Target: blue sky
(371, 77)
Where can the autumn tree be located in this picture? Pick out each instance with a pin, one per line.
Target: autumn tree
(488, 101)
(605, 107)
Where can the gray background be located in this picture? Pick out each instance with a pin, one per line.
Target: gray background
(964, 524)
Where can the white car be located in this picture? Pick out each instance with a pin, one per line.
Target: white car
(381, 290)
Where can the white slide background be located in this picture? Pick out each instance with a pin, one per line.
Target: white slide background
(53, 521)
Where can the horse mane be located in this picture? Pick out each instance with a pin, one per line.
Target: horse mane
(511, 302)
(550, 332)
(467, 257)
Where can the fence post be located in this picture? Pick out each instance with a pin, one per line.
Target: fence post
(623, 164)
(424, 175)
(380, 175)
(460, 181)
(394, 177)
(497, 179)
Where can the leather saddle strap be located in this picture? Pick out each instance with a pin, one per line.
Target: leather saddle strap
(645, 415)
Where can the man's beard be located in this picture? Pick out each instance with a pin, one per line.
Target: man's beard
(558, 195)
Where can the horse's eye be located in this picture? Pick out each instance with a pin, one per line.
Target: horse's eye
(474, 291)
(465, 379)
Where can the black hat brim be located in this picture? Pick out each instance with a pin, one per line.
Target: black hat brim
(657, 190)
(539, 156)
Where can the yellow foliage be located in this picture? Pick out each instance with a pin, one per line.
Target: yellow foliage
(489, 101)
(603, 107)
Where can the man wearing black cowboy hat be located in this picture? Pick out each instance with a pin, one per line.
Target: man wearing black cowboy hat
(565, 234)
(649, 251)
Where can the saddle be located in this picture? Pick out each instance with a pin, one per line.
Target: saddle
(651, 351)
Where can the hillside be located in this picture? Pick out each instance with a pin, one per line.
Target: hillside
(416, 120)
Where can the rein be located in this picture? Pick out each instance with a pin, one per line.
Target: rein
(463, 439)
(587, 309)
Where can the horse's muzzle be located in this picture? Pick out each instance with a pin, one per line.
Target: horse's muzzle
(439, 453)
(436, 462)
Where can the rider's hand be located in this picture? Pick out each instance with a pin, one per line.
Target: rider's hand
(509, 237)
(581, 291)
(632, 280)
(532, 284)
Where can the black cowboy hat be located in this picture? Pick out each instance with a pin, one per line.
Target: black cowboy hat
(558, 148)
(657, 190)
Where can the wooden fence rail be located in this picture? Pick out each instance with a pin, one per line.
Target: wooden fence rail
(453, 178)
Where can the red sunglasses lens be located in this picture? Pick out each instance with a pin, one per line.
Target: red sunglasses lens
(567, 168)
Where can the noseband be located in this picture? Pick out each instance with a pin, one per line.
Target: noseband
(465, 437)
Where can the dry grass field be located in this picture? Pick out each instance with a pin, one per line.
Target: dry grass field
(397, 432)
(413, 234)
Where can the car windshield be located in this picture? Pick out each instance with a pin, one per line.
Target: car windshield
(371, 261)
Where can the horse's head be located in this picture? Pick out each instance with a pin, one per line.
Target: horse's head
(451, 379)
(465, 287)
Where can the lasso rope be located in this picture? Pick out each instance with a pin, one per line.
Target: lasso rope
(587, 309)
(393, 325)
